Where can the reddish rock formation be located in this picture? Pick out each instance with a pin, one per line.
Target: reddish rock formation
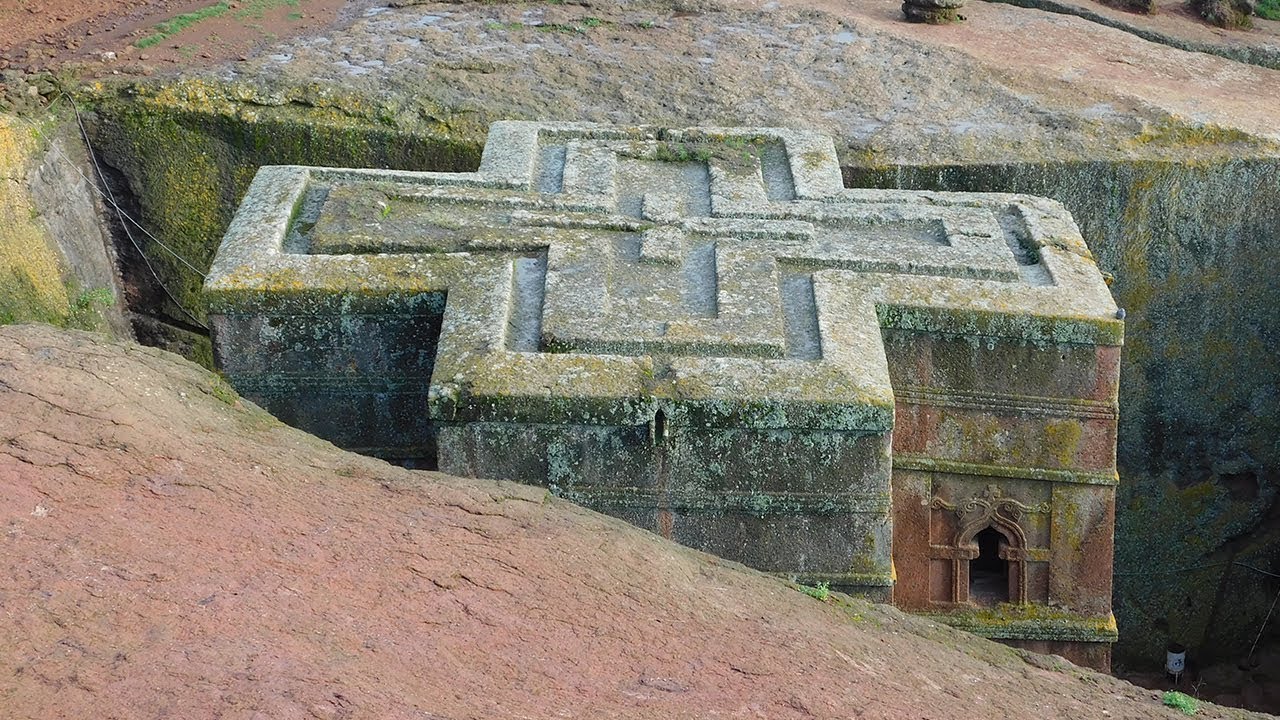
(170, 550)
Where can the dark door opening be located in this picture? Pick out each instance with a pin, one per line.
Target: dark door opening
(989, 573)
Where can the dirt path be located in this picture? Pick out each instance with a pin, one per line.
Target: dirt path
(40, 35)
(131, 36)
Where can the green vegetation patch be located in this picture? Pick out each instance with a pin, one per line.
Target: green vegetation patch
(87, 308)
(182, 22)
(1172, 133)
(1181, 701)
(1268, 10)
(683, 152)
(821, 591)
(220, 389)
(257, 8)
(577, 27)
(580, 27)
(733, 153)
(251, 9)
(32, 287)
(190, 150)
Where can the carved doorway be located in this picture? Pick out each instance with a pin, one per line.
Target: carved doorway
(989, 571)
(987, 557)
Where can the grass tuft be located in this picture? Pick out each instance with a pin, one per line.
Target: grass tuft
(252, 9)
(821, 591)
(87, 308)
(1181, 701)
(222, 390)
(182, 22)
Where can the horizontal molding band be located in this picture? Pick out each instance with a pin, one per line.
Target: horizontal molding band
(755, 503)
(396, 452)
(336, 384)
(1064, 407)
(1031, 404)
(904, 461)
(878, 580)
(945, 552)
(1068, 629)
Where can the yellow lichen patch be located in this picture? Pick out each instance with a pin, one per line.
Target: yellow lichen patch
(1066, 522)
(31, 283)
(1008, 612)
(1062, 439)
(1176, 133)
(1032, 620)
(814, 159)
(867, 158)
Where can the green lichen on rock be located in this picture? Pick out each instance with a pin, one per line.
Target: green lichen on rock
(1031, 621)
(32, 287)
(1177, 133)
(36, 285)
(189, 149)
(733, 153)
(1190, 243)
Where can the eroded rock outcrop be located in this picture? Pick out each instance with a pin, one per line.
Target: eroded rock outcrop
(171, 550)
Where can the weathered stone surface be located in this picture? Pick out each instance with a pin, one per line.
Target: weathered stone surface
(1189, 246)
(684, 328)
(172, 550)
(54, 264)
(1166, 158)
(72, 215)
(933, 12)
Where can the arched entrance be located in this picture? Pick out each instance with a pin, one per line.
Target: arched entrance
(989, 571)
(996, 566)
(989, 552)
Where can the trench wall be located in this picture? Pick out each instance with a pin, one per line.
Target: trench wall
(1195, 251)
(186, 163)
(55, 261)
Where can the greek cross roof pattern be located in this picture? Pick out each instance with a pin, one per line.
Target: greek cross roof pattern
(724, 274)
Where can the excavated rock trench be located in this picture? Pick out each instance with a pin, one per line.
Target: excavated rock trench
(1186, 216)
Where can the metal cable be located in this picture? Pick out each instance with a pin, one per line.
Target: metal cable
(123, 217)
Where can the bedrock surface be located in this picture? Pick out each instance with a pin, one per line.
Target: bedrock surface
(172, 550)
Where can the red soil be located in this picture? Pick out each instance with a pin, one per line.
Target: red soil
(45, 34)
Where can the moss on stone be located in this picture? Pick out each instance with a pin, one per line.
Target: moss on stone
(1175, 133)
(1062, 441)
(1031, 622)
(1185, 222)
(190, 148)
(32, 284)
(733, 153)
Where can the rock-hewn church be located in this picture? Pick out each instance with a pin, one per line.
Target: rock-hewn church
(908, 395)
